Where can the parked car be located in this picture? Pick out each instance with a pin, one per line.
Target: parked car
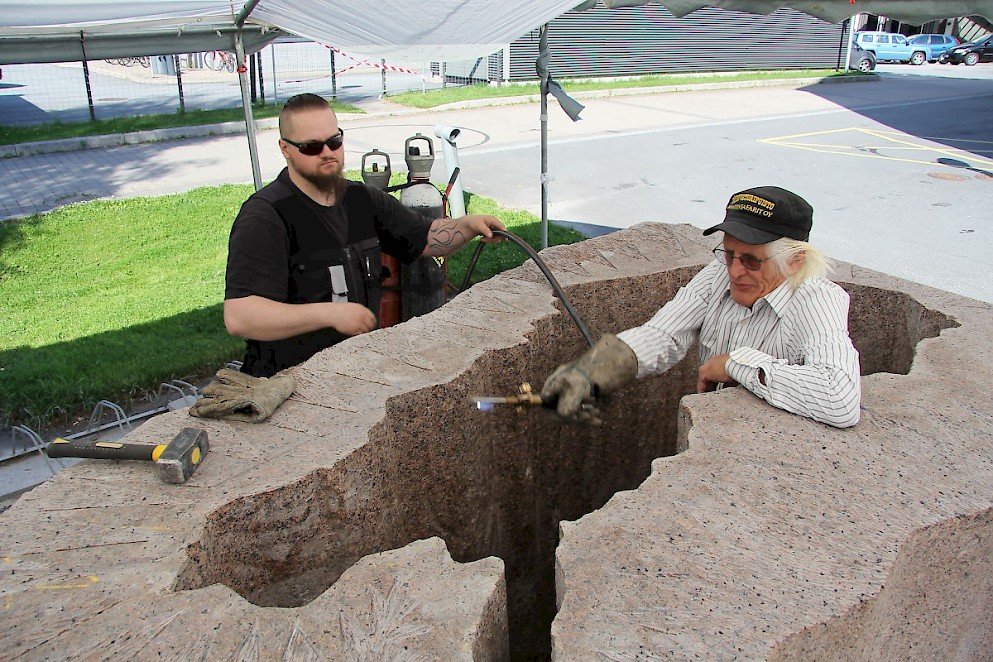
(934, 44)
(971, 53)
(861, 60)
(891, 46)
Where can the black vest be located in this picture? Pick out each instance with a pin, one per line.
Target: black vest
(314, 256)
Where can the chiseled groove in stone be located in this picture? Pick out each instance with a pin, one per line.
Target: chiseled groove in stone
(437, 517)
(433, 466)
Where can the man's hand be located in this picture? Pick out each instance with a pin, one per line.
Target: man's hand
(351, 319)
(483, 226)
(714, 372)
(605, 368)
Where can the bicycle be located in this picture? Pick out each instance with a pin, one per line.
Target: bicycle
(130, 61)
(220, 61)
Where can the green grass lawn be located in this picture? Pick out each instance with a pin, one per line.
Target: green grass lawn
(108, 299)
(433, 98)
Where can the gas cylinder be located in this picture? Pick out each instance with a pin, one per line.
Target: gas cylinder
(423, 283)
(419, 163)
(376, 173)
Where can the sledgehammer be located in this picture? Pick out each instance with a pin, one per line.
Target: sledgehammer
(176, 460)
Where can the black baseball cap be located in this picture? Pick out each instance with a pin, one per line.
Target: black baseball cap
(766, 213)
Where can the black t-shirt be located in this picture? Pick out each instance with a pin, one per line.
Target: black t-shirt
(265, 260)
(259, 246)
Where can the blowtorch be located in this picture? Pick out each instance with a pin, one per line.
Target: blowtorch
(526, 399)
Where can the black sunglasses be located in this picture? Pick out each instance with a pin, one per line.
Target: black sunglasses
(750, 262)
(315, 147)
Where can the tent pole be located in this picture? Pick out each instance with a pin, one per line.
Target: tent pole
(245, 12)
(851, 35)
(542, 47)
(246, 104)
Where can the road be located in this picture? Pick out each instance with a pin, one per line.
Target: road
(899, 172)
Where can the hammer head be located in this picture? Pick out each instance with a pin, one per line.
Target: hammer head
(181, 456)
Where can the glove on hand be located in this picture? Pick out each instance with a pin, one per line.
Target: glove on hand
(605, 368)
(236, 396)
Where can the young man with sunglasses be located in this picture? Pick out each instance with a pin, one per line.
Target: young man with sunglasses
(304, 257)
(764, 314)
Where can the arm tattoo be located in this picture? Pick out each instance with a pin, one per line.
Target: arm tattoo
(444, 237)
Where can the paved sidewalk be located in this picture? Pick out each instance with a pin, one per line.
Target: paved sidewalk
(39, 182)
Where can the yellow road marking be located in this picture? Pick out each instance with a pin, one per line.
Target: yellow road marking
(891, 141)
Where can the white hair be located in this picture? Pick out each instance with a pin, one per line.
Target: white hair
(784, 250)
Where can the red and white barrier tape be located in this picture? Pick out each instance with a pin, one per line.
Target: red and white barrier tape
(377, 65)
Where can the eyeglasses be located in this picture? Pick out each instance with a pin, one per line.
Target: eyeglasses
(315, 147)
(750, 262)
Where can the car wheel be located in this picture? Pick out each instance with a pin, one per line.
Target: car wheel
(918, 58)
(971, 59)
(865, 65)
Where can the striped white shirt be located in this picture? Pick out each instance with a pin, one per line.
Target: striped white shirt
(798, 338)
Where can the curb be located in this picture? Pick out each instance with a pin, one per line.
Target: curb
(134, 138)
(227, 128)
(641, 91)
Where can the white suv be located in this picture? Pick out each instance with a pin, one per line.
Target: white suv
(891, 46)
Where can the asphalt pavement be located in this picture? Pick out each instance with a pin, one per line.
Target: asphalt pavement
(39, 177)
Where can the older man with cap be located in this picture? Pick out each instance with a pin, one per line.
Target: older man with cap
(765, 316)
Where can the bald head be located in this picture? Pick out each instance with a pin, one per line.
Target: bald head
(299, 103)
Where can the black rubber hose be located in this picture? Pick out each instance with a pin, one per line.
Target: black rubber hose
(544, 269)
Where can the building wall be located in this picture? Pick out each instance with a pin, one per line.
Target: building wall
(648, 39)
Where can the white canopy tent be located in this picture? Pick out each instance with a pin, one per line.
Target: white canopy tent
(44, 30)
(54, 30)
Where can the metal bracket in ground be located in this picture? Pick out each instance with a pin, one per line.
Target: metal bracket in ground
(188, 393)
(36, 444)
(117, 410)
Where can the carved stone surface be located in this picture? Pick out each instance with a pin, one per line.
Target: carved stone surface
(325, 532)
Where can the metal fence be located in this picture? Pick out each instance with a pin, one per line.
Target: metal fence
(77, 91)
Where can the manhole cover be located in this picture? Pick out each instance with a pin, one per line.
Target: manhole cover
(948, 176)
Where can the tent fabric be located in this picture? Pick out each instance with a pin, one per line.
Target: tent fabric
(439, 30)
(50, 31)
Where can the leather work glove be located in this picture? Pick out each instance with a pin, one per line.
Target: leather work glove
(236, 396)
(605, 368)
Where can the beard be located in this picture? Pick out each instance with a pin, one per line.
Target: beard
(328, 182)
